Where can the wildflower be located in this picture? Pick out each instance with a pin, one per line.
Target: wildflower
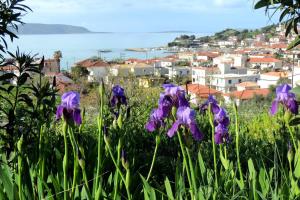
(165, 105)
(221, 134)
(177, 95)
(155, 121)
(118, 97)
(286, 98)
(221, 117)
(221, 120)
(69, 107)
(186, 118)
(212, 102)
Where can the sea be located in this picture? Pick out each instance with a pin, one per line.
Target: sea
(76, 47)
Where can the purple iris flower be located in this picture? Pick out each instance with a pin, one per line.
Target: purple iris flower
(211, 100)
(186, 117)
(221, 117)
(69, 107)
(118, 97)
(286, 98)
(165, 104)
(177, 94)
(155, 121)
(221, 134)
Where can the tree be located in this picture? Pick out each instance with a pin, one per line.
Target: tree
(10, 13)
(289, 14)
(77, 72)
(57, 55)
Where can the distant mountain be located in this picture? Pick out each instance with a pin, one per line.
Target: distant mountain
(34, 28)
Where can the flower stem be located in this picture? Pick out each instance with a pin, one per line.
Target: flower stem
(237, 145)
(154, 157)
(213, 144)
(292, 134)
(185, 163)
(118, 169)
(75, 155)
(100, 136)
(65, 161)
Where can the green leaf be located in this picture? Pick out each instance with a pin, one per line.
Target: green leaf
(7, 181)
(295, 121)
(169, 189)
(252, 171)
(294, 43)
(283, 14)
(262, 3)
(7, 76)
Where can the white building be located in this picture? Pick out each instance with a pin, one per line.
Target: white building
(236, 60)
(271, 78)
(178, 71)
(265, 63)
(135, 69)
(296, 77)
(97, 68)
(187, 56)
(201, 75)
(227, 82)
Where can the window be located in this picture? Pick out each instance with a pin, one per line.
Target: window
(240, 80)
(229, 81)
(180, 72)
(193, 79)
(194, 72)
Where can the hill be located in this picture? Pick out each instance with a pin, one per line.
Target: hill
(34, 28)
(188, 41)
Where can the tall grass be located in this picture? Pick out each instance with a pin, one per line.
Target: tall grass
(86, 162)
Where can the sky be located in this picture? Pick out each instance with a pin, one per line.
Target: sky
(198, 16)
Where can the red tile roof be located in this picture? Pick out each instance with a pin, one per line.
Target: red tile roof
(277, 74)
(263, 60)
(247, 84)
(208, 54)
(248, 94)
(8, 68)
(202, 91)
(279, 46)
(92, 63)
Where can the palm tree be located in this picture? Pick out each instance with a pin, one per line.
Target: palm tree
(57, 55)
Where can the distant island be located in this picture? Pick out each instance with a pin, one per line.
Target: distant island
(191, 40)
(36, 28)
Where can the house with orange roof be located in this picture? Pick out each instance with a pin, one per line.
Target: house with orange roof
(97, 68)
(264, 63)
(239, 96)
(271, 78)
(206, 56)
(198, 91)
(247, 85)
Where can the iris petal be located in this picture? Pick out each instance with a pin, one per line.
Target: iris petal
(59, 112)
(173, 129)
(195, 131)
(77, 116)
(274, 107)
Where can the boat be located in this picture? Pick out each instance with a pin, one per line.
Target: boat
(136, 49)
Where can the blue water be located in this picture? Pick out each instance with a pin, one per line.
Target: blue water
(76, 47)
